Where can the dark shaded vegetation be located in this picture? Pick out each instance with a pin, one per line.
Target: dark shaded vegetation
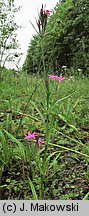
(66, 40)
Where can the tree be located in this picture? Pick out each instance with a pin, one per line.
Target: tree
(8, 28)
(66, 40)
(33, 60)
(76, 34)
(53, 41)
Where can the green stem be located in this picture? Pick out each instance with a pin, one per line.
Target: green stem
(47, 115)
(42, 188)
(43, 57)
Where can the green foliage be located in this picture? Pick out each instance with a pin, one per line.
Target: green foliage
(66, 40)
(65, 169)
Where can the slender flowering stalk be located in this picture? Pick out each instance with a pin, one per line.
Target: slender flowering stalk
(41, 24)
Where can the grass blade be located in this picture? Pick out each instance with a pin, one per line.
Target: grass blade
(63, 117)
(72, 139)
(86, 196)
(39, 112)
(20, 145)
(35, 197)
(69, 149)
(61, 100)
(4, 146)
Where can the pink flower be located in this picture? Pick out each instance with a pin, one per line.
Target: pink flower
(40, 141)
(51, 76)
(47, 12)
(30, 136)
(56, 77)
(60, 78)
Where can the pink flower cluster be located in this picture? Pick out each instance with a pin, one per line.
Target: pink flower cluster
(32, 136)
(59, 78)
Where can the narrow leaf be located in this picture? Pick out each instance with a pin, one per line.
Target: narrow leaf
(20, 145)
(39, 112)
(86, 196)
(60, 100)
(4, 146)
(33, 189)
(69, 149)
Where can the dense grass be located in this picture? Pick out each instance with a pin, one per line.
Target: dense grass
(23, 109)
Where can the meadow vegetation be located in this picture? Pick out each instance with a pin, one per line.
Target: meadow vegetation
(44, 107)
(23, 109)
